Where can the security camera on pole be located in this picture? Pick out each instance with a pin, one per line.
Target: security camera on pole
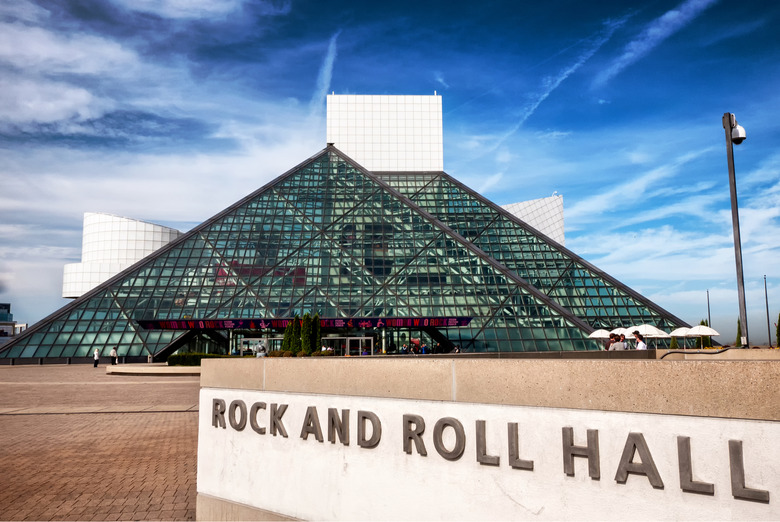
(735, 134)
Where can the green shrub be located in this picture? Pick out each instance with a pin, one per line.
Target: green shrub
(295, 345)
(287, 339)
(738, 342)
(316, 333)
(316, 354)
(302, 353)
(287, 353)
(306, 334)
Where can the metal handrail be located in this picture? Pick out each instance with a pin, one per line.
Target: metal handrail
(708, 352)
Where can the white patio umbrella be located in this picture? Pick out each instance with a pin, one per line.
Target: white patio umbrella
(648, 330)
(701, 330)
(680, 332)
(620, 331)
(599, 334)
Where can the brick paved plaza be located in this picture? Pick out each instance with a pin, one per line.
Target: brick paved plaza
(77, 444)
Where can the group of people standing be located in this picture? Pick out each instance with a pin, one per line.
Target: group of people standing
(96, 356)
(618, 342)
(423, 349)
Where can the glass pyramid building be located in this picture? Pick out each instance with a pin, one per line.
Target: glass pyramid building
(364, 250)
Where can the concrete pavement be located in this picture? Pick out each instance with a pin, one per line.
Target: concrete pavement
(81, 444)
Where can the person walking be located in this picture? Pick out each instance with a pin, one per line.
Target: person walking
(96, 357)
(114, 356)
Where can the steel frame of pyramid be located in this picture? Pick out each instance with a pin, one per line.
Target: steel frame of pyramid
(332, 238)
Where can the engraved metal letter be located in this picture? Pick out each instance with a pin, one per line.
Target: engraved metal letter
(514, 450)
(635, 442)
(311, 424)
(218, 413)
(482, 456)
(737, 464)
(277, 426)
(253, 417)
(235, 424)
(414, 426)
(338, 426)
(591, 451)
(686, 470)
(376, 429)
(460, 438)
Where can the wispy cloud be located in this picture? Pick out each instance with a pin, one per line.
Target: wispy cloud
(324, 77)
(440, 79)
(550, 84)
(736, 31)
(35, 49)
(25, 102)
(191, 9)
(653, 34)
(631, 192)
(490, 182)
(23, 10)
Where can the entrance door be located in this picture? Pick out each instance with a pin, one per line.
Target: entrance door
(360, 346)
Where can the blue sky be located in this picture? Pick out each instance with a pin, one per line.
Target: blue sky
(170, 110)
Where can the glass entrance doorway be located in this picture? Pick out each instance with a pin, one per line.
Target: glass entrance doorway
(352, 346)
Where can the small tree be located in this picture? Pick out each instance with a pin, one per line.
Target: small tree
(700, 343)
(288, 336)
(738, 342)
(777, 332)
(673, 345)
(296, 335)
(316, 333)
(306, 334)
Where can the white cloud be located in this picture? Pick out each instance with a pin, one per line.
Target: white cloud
(323, 78)
(439, 78)
(23, 10)
(552, 135)
(653, 34)
(183, 8)
(37, 50)
(504, 156)
(628, 194)
(24, 101)
(634, 192)
(551, 83)
(203, 9)
(638, 157)
(767, 171)
(490, 182)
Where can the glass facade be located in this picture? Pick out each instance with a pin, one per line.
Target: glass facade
(332, 238)
(590, 294)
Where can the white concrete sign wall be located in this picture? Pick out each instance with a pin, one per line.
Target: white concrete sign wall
(357, 458)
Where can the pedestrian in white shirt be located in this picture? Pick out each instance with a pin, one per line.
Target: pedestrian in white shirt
(640, 341)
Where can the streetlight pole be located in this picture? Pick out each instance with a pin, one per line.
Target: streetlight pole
(736, 134)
